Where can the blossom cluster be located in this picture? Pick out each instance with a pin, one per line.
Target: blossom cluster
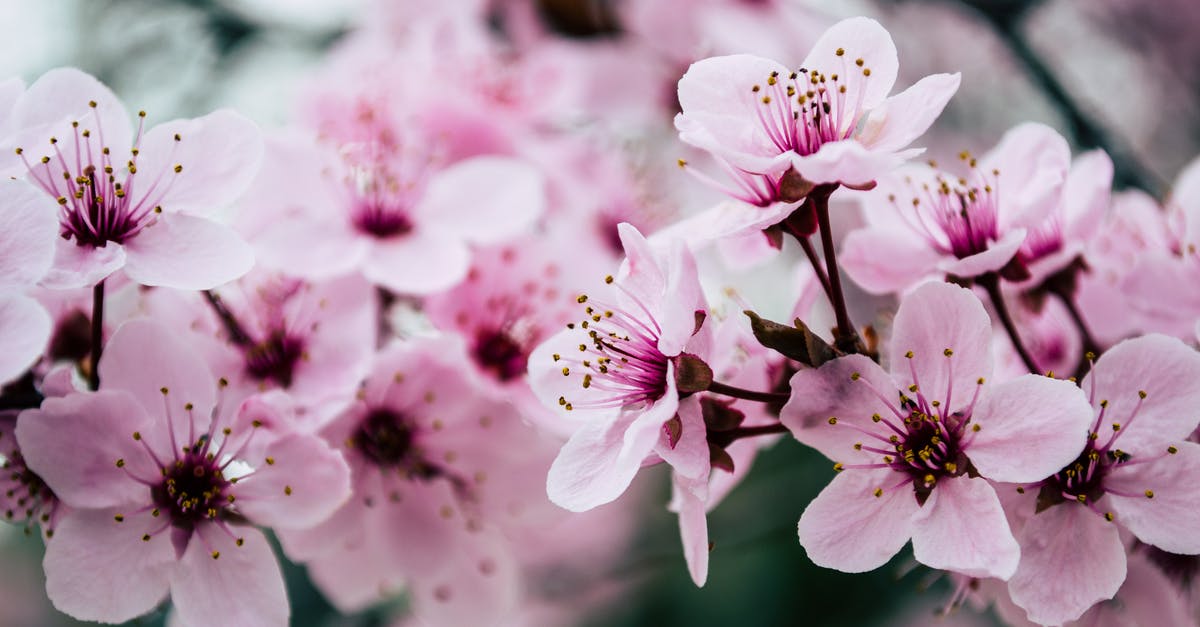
(410, 339)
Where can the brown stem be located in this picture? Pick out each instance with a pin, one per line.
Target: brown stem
(237, 335)
(991, 283)
(1091, 347)
(847, 340)
(811, 253)
(716, 387)
(97, 336)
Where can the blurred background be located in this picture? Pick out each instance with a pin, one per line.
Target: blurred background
(1122, 75)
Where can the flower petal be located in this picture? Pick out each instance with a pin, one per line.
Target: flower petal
(485, 200)
(220, 154)
(833, 391)
(689, 456)
(28, 229)
(850, 529)
(1167, 371)
(61, 96)
(187, 253)
(847, 161)
(997, 255)
(857, 38)
(907, 115)
(962, 528)
(476, 584)
(1070, 559)
(24, 329)
(243, 586)
(99, 569)
(693, 525)
(882, 261)
(308, 248)
(51, 440)
(421, 262)
(1029, 428)
(82, 266)
(600, 460)
(934, 318)
(1170, 520)
(1033, 160)
(305, 482)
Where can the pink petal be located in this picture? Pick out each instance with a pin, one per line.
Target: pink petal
(907, 115)
(1029, 428)
(693, 526)
(997, 255)
(416, 527)
(187, 253)
(241, 587)
(311, 249)
(1149, 597)
(353, 577)
(1071, 558)
(220, 154)
(61, 96)
(1087, 195)
(28, 230)
(1186, 194)
(962, 528)
(858, 38)
(1033, 160)
(548, 383)
(24, 330)
(1170, 520)
(88, 476)
(421, 262)
(600, 460)
(718, 85)
(663, 279)
(729, 219)
(143, 358)
(848, 528)
(689, 457)
(99, 569)
(82, 266)
(477, 584)
(831, 391)
(933, 318)
(306, 483)
(1167, 371)
(643, 273)
(485, 200)
(847, 161)
(882, 262)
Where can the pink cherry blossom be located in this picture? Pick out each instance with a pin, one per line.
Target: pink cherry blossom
(614, 373)
(137, 200)
(438, 468)
(917, 446)
(388, 209)
(831, 121)
(161, 479)
(27, 230)
(1136, 472)
(927, 223)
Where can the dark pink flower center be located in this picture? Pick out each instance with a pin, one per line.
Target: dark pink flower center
(275, 357)
(930, 449)
(100, 200)
(193, 488)
(388, 439)
(807, 109)
(500, 353)
(953, 216)
(618, 357)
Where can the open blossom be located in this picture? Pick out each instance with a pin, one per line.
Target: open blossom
(134, 200)
(27, 230)
(830, 121)
(924, 222)
(1135, 471)
(615, 373)
(389, 207)
(438, 466)
(162, 479)
(916, 447)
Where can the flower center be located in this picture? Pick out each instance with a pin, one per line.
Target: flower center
(100, 200)
(387, 439)
(193, 488)
(275, 358)
(498, 352)
(378, 219)
(807, 109)
(954, 216)
(930, 450)
(619, 358)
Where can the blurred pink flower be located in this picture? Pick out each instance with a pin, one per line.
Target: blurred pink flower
(926, 223)
(831, 121)
(921, 443)
(161, 479)
(615, 374)
(438, 467)
(387, 209)
(1140, 476)
(140, 201)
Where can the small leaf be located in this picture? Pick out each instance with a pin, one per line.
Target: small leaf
(719, 458)
(793, 187)
(720, 415)
(692, 374)
(798, 343)
(674, 430)
(701, 316)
